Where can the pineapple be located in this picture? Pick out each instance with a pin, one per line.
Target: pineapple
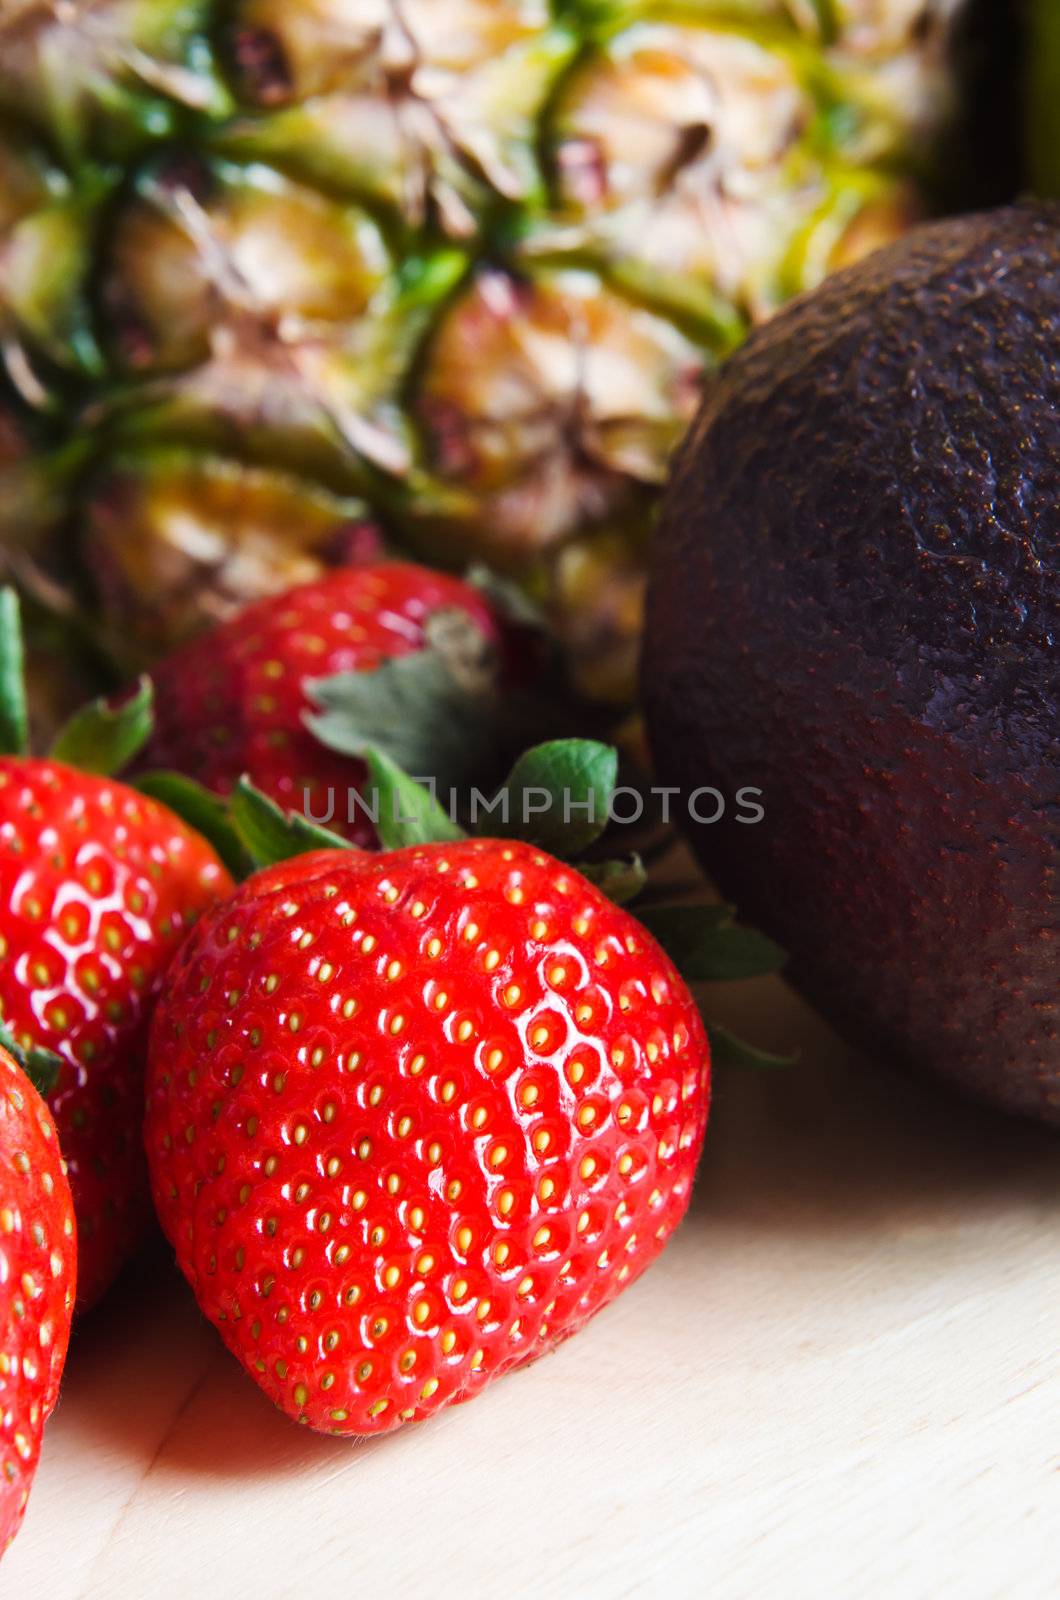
(282, 278)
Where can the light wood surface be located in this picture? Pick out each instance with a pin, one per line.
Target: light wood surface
(840, 1380)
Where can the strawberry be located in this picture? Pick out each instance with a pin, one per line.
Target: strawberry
(98, 886)
(38, 1259)
(412, 1118)
(237, 700)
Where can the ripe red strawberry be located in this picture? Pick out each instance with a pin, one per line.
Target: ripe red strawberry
(38, 1259)
(98, 886)
(412, 1118)
(232, 701)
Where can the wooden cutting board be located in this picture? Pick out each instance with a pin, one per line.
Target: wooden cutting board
(840, 1380)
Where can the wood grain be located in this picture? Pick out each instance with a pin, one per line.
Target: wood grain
(841, 1379)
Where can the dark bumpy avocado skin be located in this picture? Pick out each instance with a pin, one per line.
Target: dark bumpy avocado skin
(856, 607)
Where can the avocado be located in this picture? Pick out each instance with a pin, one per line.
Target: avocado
(855, 608)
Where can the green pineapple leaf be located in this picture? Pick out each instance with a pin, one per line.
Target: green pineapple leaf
(103, 738)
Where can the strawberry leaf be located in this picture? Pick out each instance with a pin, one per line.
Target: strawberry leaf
(102, 737)
(42, 1067)
(202, 811)
(14, 717)
(510, 599)
(705, 944)
(729, 1050)
(559, 796)
(621, 880)
(269, 834)
(404, 811)
(435, 711)
(679, 927)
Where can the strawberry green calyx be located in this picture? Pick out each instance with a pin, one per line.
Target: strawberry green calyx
(577, 775)
(408, 813)
(622, 880)
(705, 944)
(14, 717)
(100, 738)
(436, 710)
(575, 779)
(42, 1067)
(557, 797)
(248, 830)
(451, 706)
(570, 783)
(269, 835)
(727, 1049)
(202, 811)
(104, 738)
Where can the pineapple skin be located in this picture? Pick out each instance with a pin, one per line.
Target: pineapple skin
(281, 284)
